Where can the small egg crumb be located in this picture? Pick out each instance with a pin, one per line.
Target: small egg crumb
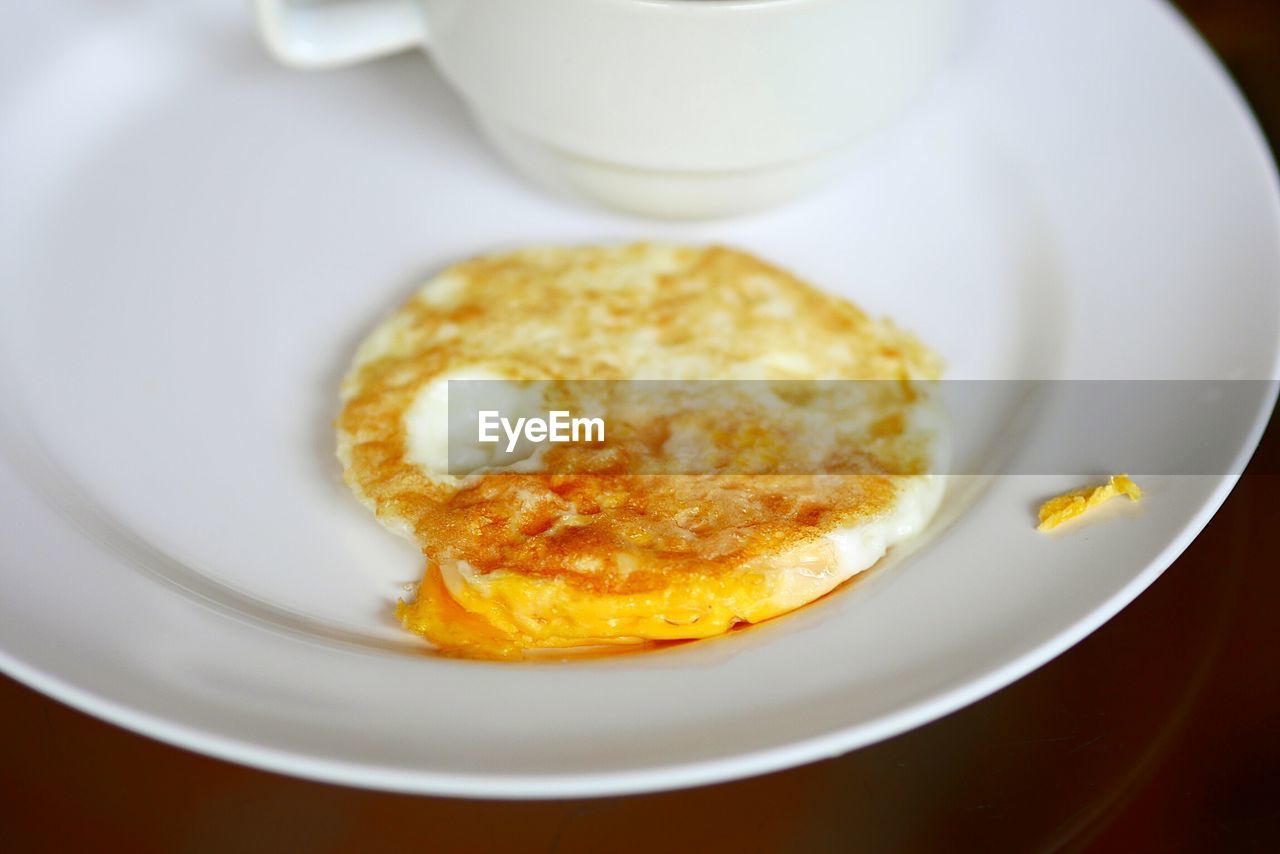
(1068, 506)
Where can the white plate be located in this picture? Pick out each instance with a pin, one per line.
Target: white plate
(193, 240)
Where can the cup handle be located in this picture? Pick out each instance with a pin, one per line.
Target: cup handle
(334, 33)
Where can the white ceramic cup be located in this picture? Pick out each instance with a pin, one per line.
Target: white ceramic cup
(673, 108)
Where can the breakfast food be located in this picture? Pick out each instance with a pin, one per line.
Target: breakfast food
(1071, 505)
(705, 506)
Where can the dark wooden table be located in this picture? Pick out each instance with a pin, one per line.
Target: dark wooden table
(1161, 731)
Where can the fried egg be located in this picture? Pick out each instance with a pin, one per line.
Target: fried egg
(718, 505)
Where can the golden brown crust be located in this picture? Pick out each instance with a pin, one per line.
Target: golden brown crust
(614, 313)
